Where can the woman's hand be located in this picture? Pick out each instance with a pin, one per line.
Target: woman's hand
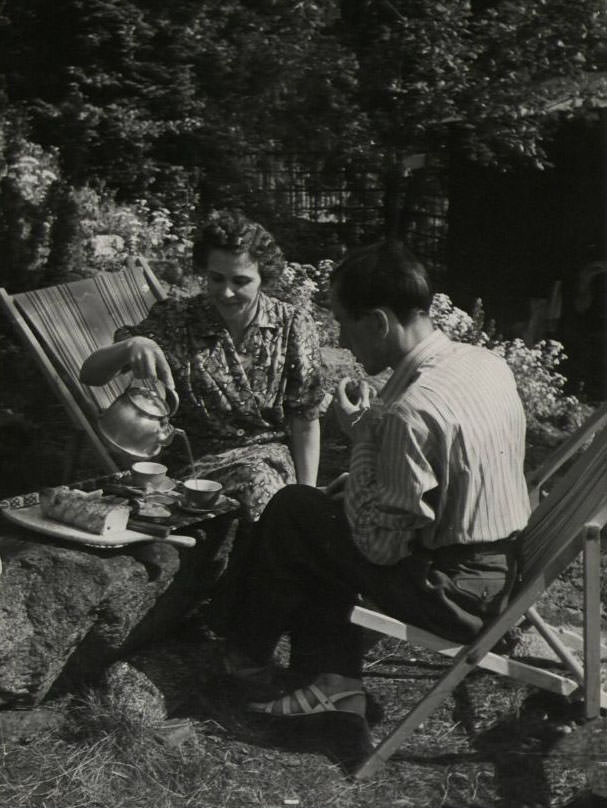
(146, 359)
(139, 354)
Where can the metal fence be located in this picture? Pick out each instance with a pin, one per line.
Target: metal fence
(354, 201)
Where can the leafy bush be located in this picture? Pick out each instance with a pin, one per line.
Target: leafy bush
(109, 232)
(535, 369)
(28, 180)
(51, 231)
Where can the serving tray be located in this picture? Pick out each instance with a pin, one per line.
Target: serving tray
(32, 518)
(24, 511)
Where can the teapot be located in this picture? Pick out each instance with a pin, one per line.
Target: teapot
(137, 422)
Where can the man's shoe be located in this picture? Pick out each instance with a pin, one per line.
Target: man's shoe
(308, 701)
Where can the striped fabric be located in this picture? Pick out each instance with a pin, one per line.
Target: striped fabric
(74, 319)
(444, 463)
(578, 499)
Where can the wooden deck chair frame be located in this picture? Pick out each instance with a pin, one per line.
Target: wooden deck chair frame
(579, 500)
(92, 309)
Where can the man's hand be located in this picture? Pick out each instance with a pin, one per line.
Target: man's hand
(147, 360)
(336, 488)
(351, 400)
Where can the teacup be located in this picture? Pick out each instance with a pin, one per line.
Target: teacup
(201, 493)
(148, 476)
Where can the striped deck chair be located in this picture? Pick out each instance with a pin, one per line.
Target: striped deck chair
(565, 523)
(62, 325)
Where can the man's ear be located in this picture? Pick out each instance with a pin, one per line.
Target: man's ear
(381, 322)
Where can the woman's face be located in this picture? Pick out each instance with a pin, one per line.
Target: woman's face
(233, 283)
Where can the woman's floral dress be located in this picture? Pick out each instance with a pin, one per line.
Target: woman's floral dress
(235, 404)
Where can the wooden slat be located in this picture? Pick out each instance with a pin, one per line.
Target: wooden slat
(592, 621)
(557, 533)
(62, 325)
(556, 644)
(574, 501)
(504, 666)
(574, 443)
(74, 411)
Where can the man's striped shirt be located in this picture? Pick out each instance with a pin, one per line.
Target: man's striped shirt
(444, 460)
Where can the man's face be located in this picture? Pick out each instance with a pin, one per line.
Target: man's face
(360, 335)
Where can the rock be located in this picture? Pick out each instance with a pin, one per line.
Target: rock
(67, 611)
(153, 683)
(131, 694)
(20, 726)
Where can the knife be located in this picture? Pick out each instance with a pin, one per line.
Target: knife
(143, 526)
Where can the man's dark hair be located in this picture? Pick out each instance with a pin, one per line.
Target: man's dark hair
(382, 274)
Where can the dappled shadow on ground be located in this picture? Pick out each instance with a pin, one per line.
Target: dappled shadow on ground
(221, 709)
(525, 746)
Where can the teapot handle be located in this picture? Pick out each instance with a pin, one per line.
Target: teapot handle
(167, 393)
(172, 399)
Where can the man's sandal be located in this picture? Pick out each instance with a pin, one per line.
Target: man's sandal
(333, 724)
(311, 700)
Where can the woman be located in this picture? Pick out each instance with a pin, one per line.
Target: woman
(245, 365)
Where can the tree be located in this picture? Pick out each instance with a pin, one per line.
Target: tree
(119, 83)
(130, 89)
(484, 76)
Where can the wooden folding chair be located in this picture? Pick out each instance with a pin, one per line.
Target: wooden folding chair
(566, 522)
(62, 325)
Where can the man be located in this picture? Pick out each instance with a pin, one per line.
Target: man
(424, 524)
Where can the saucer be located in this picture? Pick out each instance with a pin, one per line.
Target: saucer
(192, 509)
(219, 502)
(161, 497)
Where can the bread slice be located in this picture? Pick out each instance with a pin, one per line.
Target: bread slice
(86, 511)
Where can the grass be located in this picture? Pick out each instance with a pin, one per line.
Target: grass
(492, 743)
(488, 745)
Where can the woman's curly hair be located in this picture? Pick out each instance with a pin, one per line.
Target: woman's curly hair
(232, 231)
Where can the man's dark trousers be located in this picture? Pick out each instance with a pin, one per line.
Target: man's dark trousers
(302, 574)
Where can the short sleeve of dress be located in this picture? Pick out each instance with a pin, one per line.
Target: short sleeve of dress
(304, 390)
(166, 324)
(154, 326)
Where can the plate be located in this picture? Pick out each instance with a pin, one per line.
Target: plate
(33, 519)
(192, 509)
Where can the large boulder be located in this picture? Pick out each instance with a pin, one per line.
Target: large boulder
(67, 611)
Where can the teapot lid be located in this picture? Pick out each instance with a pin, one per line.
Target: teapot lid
(149, 401)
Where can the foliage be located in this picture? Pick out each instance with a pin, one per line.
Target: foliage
(540, 385)
(128, 86)
(304, 284)
(110, 231)
(51, 231)
(484, 73)
(481, 78)
(129, 90)
(28, 181)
